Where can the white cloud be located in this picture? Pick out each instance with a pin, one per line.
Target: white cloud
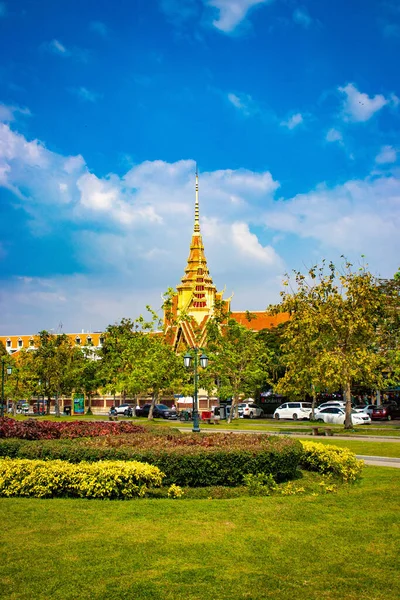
(293, 121)
(334, 135)
(99, 27)
(8, 112)
(357, 217)
(59, 49)
(387, 154)
(132, 232)
(232, 12)
(301, 17)
(250, 246)
(84, 94)
(358, 106)
(243, 102)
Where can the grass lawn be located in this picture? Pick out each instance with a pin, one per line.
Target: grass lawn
(363, 447)
(342, 546)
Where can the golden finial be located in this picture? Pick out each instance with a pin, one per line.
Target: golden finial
(196, 206)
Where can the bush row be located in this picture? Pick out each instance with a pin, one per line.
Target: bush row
(33, 429)
(195, 465)
(328, 459)
(56, 478)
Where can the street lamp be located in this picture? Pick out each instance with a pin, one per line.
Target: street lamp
(187, 361)
(9, 371)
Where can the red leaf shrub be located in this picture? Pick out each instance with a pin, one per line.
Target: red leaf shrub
(50, 430)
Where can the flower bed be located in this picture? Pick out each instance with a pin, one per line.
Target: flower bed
(194, 460)
(56, 478)
(50, 430)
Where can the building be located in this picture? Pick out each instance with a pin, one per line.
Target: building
(196, 298)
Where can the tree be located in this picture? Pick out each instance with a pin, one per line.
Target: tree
(113, 370)
(390, 328)
(21, 384)
(88, 376)
(151, 365)
(332, 337)
(238, 358)
(56, 365)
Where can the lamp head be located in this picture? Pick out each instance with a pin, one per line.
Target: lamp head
(187, 360)
(204, 360)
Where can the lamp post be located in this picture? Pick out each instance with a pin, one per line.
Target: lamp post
(9, 371)
(187, 361)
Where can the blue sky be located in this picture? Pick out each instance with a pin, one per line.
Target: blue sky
(290, 108)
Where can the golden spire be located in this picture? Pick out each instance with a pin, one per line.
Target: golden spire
(196, 229)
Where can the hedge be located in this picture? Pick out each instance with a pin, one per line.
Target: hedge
(328, 459)
(56, 478)
(195, 460)
(33, 429)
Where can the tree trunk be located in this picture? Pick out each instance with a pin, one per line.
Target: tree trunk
(14, 408)
(347, 396)
(314, 401)
(57, 406)
(153, 403)
(48, 405)
(235, 402)
(89, 410)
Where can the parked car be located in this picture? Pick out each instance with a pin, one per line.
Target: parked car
(161, 411)
(329, 403)
(293, 410)
(249, 410)
(125, 409)
(336, 416)
(388, 411)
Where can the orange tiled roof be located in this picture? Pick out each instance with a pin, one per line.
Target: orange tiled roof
(262, 319)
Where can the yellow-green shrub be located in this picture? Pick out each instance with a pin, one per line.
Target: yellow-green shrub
(332, 459)
(103, 479)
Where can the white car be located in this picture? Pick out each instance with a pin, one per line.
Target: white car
(330, 403)
(336, 416)
(249, 410)
(293, 410)
(125, 409)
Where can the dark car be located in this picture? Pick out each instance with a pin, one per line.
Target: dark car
(161, 411)
(388, 411)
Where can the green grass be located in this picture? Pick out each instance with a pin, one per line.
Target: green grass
(363, 447)
(342, 546)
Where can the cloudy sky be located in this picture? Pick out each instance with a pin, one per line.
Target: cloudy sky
(291, 109)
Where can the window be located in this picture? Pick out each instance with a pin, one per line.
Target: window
(89, 340)
(101, 341)
(20, 343)
(8, 343)
(294, 405)
(31, 342)
(78, 341)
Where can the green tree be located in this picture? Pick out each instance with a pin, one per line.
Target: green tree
(56, 365)
(332, 338)
(239, 359)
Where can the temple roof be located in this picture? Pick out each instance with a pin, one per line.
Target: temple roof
(197, 290)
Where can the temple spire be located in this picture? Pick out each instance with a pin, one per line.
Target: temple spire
(196, 229)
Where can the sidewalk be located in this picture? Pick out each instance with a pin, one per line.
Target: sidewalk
(380, 461)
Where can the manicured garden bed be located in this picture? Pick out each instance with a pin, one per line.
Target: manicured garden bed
(186, 459)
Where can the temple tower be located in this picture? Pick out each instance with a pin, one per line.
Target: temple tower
(197, 292)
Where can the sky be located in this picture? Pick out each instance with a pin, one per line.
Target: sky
(290, 108)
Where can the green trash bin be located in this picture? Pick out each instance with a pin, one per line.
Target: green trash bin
(185, 415)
